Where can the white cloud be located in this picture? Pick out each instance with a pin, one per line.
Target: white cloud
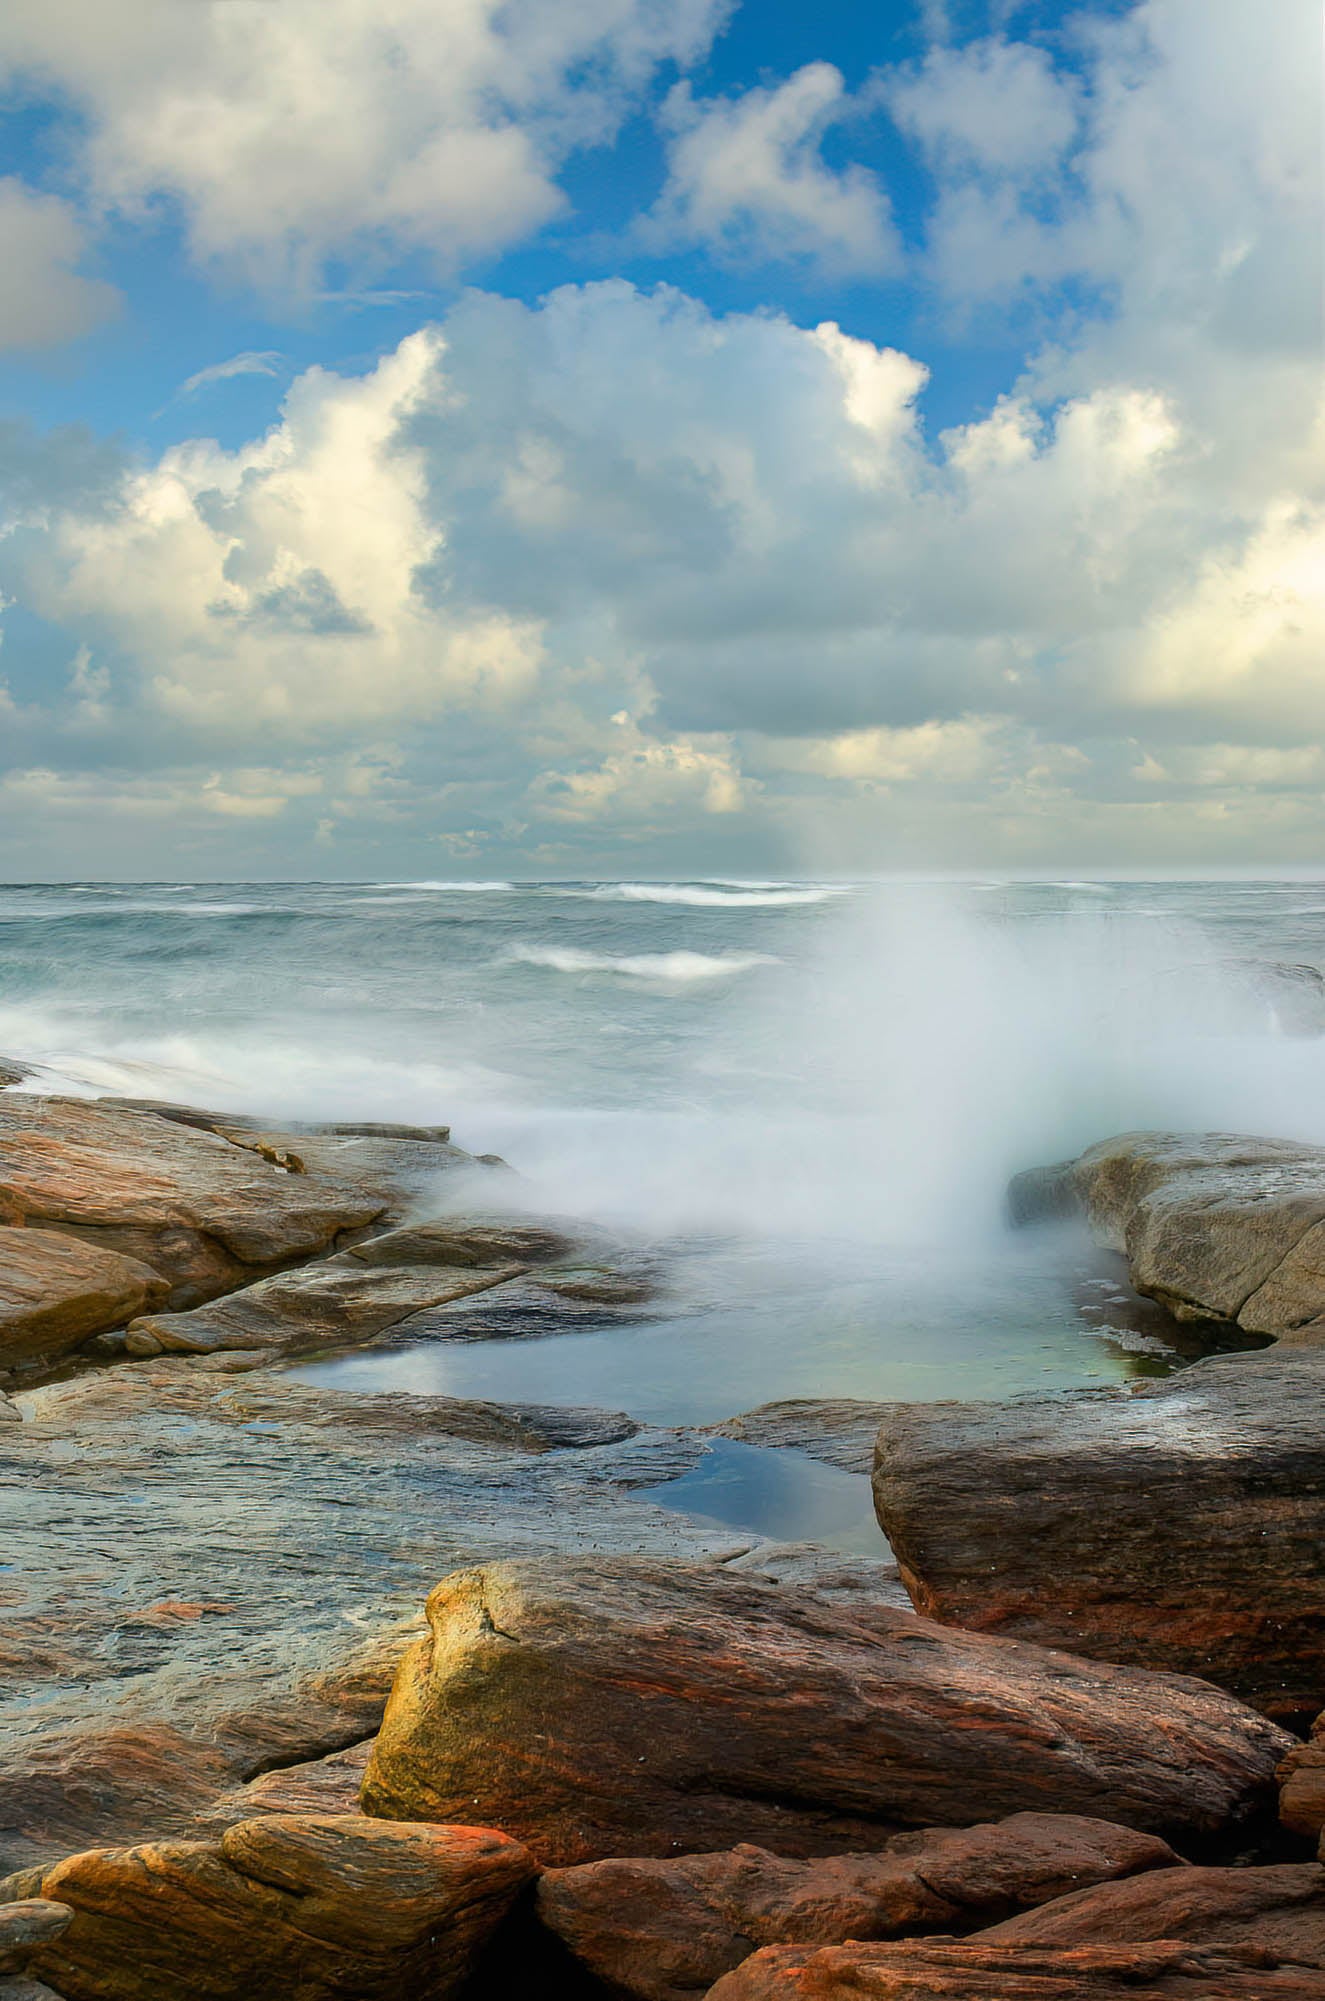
(747, 180)
(45, 299)
(251, 362)
(995, 106)
(289, 133)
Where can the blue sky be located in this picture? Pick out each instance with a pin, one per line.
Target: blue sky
(627, 435)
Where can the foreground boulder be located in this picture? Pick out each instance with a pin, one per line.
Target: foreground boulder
(975, 1970)
(1214, 1226)
(666, 1930)
(287, 1908)
(1279, 1911)
(203, 1213)
(56, 1291)
(1175, 1527)
(619, 1706)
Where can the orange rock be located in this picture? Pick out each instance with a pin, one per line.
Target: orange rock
(290, 1908)
(55, 1292)
(969, 1970)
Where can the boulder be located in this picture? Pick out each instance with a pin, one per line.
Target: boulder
(975, 1970)
(1302, 1786)
(202, 1212)
(55, 1292)
(622, 1706)
(666, 1930)
(1278, 1910)
(1214, 1226)
(1176, 1527)
(336, 1300)
(289, 1908)
(26, 1925)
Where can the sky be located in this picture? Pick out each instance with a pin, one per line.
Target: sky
(461, 438)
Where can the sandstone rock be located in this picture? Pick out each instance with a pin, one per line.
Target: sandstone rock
(612, 1707)
(839, 1430)
(973, 1970)
(666, 1930)
(1279, 1910)
(1302, 1786)
(290, 1908)
(322, 1517)
(1214, 1226)
(1175, 1527)
(26, 1925)
(56, 1291)
(338, 1299)
(203, 1213)
(221, 1122)
(465, 1240)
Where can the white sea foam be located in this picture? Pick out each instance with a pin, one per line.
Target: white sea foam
(465, 888)
(709, 896)
(670, 968)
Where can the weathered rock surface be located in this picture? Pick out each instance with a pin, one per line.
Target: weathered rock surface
(976, 1970)
(207, 1575)
(1175, 1527)
(1279, 1910)
(26, 1925)
(203, 1213)
(666, 1930)
(56, 1291)
(839, 1430)
(629, 1707)
(290, 1908)
(1302, 1783)
(1213, 1225)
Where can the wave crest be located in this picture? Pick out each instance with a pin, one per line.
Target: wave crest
(710, 896)
(667, 968)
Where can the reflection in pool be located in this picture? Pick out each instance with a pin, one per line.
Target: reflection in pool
(773, 1492)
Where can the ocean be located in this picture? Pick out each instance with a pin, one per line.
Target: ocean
(808, 1096)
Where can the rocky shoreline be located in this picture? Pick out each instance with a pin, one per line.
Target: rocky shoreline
(309, 1694)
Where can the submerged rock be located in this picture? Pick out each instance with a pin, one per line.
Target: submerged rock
(1214, 1226)
(1175, 1527)
(56, 1291)
(935, 1969)
(1279, 1911)
(666, 1930)
(617, 1706)
(304, 1907)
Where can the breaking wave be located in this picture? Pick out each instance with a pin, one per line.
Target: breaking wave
(707, 896)
(671, 968)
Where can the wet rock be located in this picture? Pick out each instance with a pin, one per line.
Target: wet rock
(12, 1072)
(461, 1240)
(1279, 1911)
(975, 1970)
(27, 1924)
(322, 1518)
(666, 1930)
(1302, 1786)
(839, 1430)
(840, 1579)
(55, 1292)
(222, 1122)
(690, 1709)
(1214, 1226)
(203, 1213)
(309, 1907)
(337, 1300)
(1175, 1527)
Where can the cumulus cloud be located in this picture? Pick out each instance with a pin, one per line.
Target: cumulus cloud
(746, 179)
(45, 299)
(295, 135)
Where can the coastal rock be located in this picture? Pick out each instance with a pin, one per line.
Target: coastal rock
(338, 1299)
(210, 1575)
(26, 1925)
(666, 1930)
(974, 1970)
(1214, 1226)
(1176, 1527)
(55, 1292)
(611, 1707)
(839, 1430)
(203, 1213)
(307, 1908)
(1279, 1911)
(1302, 1786)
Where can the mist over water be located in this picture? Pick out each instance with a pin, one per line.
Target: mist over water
(817, 1090)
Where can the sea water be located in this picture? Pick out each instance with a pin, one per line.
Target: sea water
(807, 1098)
